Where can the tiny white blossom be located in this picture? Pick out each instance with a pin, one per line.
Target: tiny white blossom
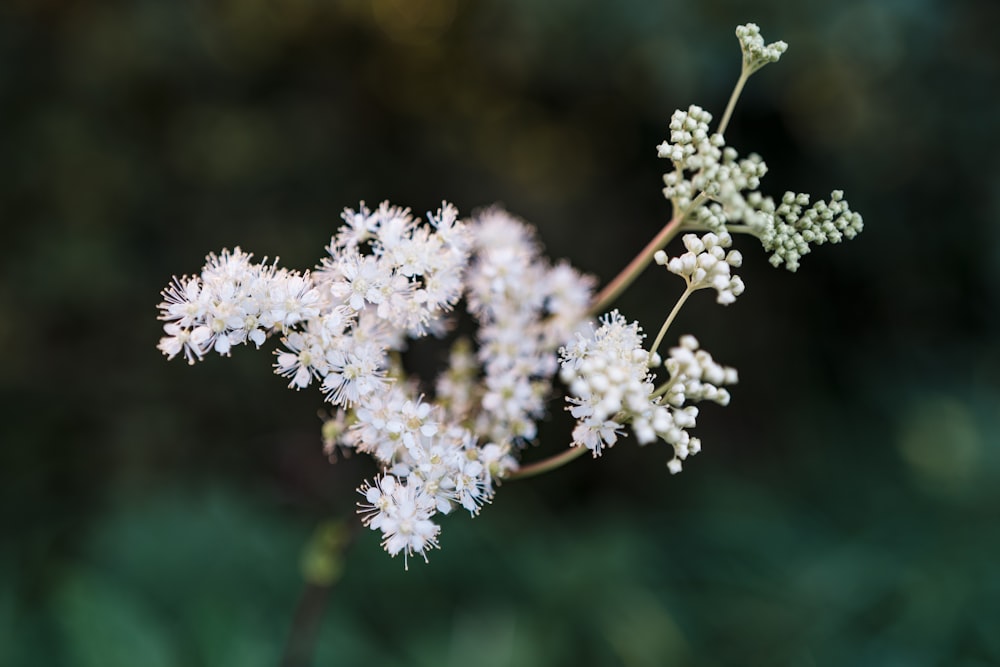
(402, 512)
(353, 374)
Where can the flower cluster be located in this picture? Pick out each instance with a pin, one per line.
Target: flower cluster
(755, 53)
(695, 376)
(429, 467)
(691, 146)
(791, 227)
(388, 278)
(525, 310)
(611, 385)
(706, 264)
(231, 302)
(711, 188)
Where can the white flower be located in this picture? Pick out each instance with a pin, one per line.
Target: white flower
(525, 311)
(403, 513)
(497, 461)
(611, 386)
(293, 299)
(353, 374)
(359, 227)
(608, 377)
(180, 340)
(302, 362)
(363, 281)
(233, 300)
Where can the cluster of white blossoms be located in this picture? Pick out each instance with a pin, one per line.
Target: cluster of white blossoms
(612, 385)
(231, 302)
(388, 278)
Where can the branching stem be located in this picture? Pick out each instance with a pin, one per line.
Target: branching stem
(545, 465)
(628, 275)
(670, 319)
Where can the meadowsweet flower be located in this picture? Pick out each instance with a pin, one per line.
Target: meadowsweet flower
(388, 278)
(232, 301)
(513, 293)
(611, 387)
(354, 373)
(403, 513)
(609, 382)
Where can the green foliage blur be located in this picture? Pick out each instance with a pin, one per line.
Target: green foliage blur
(845, 508)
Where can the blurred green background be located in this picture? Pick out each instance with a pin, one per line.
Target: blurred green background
(845, 510)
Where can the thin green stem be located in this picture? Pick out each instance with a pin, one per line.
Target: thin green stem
(724, 123)
(670, 318)
(545, 465)
(628, 275)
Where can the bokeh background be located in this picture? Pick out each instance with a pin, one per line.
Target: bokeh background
(845, 510)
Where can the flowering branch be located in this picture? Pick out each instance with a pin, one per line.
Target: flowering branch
(389, 278)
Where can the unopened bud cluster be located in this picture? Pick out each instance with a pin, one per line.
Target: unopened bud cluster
(792, 227)
(755, 53)
(712, 189)
(706, 264)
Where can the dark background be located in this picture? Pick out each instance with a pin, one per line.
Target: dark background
(845, 508)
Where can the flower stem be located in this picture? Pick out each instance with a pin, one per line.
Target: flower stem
(605, 298)
(737, 89)
(614, 289)
(545, 465)
(670, 319)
